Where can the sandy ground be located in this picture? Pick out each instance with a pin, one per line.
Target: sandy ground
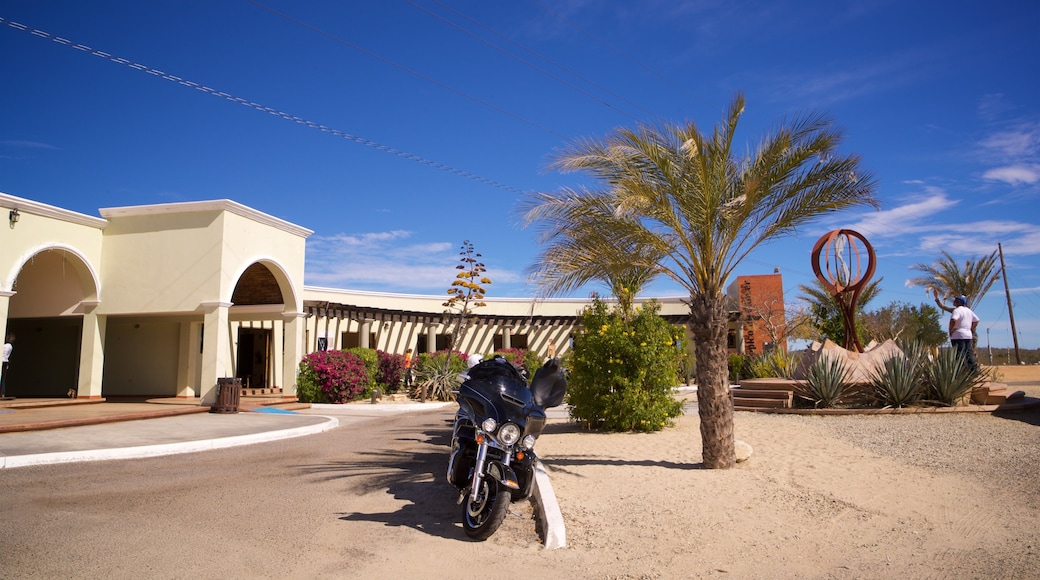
(882, 496)
(891, 496)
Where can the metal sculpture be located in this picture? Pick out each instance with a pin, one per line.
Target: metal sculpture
(845, 276)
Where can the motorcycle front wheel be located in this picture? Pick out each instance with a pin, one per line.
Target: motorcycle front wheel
(482, 518)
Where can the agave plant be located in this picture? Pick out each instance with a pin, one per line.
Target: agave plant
(897, 382)
(949, 379)
(914, 351)
(826, 382)
(437, 374)
(775, 363)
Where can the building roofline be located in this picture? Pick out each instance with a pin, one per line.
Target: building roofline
(207, 206)
(50, 211)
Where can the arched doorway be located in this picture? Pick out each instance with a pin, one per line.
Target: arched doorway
(257, 306)
(53, 290)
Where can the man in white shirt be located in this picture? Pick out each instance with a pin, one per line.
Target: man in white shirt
(962, 330)
(8, 349)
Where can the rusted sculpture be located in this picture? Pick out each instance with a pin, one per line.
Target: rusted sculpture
(845, 277)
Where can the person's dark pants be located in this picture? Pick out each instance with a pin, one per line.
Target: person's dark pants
(965, 349)
(3, 379)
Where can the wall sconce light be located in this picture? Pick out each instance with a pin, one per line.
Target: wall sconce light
(14, 216)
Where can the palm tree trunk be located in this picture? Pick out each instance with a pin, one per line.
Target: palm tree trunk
(709, 321)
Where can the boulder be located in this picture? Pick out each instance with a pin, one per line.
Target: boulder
(861, 364)
(743, 451)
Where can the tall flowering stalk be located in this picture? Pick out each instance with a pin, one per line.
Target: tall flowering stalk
(467, 291)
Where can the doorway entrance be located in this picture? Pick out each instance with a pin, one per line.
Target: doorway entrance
(254, 357)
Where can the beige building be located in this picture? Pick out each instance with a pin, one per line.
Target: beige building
(164, 300)
(158, 300)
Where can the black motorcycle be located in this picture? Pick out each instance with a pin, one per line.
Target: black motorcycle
(492, 460)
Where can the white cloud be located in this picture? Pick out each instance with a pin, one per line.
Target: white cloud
(1020, 142)
(906, 218)
(982, 237)
(1014, 174)
(27, 144)
(386, 262)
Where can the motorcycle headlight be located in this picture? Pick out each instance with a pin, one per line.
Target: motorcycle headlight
(528, 442)
(489, 425)
(509, 434)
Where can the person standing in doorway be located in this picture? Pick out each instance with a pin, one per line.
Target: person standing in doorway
(551, 350)
(962, 330)
(8, 349)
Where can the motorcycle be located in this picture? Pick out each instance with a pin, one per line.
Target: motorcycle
(492, 461)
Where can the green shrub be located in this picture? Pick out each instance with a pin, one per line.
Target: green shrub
(623, 372)
(826, 382)
(948, 378)
(775, 363)
(739, 368)
(370, 357)
(897, 383)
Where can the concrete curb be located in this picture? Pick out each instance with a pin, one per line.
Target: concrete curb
(547, 510)
(165, 448)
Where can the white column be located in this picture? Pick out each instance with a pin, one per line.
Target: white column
(184, 362)
(431, 338)
(293, 350)
(277, 358)
(91, 352)
(365, 333)
(5, 309)
(216, 349)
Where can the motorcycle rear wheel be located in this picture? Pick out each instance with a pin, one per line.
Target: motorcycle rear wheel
(481, 518)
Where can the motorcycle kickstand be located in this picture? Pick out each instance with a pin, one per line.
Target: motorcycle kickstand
(512, 513)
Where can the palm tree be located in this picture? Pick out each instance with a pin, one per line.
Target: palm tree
(823, 314)
(681, 201)
(581, 251)
(945, 277)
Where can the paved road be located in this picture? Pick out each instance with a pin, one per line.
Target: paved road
(365, 500)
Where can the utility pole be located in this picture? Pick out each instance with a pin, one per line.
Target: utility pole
(1011, 314)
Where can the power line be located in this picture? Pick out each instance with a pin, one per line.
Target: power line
(261, 108)
(403, 68)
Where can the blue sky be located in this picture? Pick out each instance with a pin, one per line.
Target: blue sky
(397, 129)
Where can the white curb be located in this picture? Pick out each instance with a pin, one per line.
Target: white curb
(548, 509)
(165, 448)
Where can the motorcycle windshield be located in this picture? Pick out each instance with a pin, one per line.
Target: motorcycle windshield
(500, 390)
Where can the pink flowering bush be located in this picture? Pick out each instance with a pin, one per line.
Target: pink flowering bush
(332, 376)
(390, 374)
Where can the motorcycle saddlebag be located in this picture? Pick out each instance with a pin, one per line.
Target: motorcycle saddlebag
(549, 387)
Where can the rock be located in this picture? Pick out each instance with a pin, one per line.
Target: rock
(743, 451)
(861, 364)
